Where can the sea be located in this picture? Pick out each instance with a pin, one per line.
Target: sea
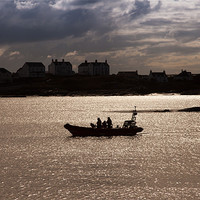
(39, 159)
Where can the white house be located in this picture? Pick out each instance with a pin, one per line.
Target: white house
(94, 68)
(31, 70)
(158, 76)
(5, 76)
(60, 68)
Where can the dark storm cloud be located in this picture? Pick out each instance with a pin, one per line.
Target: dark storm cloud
(45, 23)
(29, 21)
(143, 7)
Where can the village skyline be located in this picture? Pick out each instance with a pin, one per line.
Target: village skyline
(75, 68)
(64, 68)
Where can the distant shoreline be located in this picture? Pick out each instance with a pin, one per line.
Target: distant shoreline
(96, 95)
(112, 85)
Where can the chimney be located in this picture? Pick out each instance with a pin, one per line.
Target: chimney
(106, 61)
(95, 61)
(52, 60)
(85, 61)
(56, 60)
(63, 60)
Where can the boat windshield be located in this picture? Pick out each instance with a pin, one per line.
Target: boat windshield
(129, 124)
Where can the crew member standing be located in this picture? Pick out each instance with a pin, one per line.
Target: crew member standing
(109, 122)
(99, 123)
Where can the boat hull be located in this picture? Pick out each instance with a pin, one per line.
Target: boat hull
(78, 131)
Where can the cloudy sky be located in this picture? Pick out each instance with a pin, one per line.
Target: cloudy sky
(131, 34)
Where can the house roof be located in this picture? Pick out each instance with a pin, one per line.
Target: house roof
(185, 74)
(60, 63)
(35, 64)
(158, 73)
(128, 73)
(85, 64)
(56, 62)
(3, 70)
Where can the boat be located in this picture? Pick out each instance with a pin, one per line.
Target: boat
(129, 128)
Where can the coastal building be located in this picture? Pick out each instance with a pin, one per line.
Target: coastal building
(94, 68)
(184, 75)
(60, 68)
(158, 76)
(5, 76)
(31, 70)
(131, 74)
(144, 77)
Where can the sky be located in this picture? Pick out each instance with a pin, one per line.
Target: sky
(131, 35)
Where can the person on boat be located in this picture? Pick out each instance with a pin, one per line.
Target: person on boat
(104, 124)
(99, 123)
(109, 122)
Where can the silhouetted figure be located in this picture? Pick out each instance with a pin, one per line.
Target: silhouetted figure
(109, 122)
(99, 123)
(104, 124)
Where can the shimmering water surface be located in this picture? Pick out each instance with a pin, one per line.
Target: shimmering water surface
(40, 160)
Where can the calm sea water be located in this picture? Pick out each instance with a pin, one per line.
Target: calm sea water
(40, 160)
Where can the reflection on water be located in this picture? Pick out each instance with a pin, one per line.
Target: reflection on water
(40, 160)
